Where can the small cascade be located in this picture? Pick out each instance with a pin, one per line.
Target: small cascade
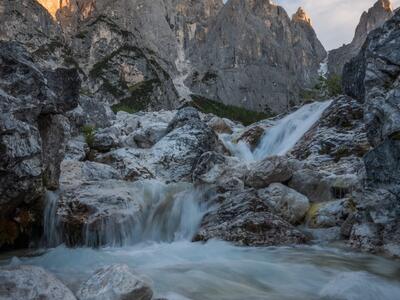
(161, 213)
(323, 67)
(51, 236)
(283, 136)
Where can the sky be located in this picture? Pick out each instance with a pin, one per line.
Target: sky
(334, 20)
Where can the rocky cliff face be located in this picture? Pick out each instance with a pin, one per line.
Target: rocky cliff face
(374, 18)
(255, 56)
(151, 54)
(33, 135)
(373, 78)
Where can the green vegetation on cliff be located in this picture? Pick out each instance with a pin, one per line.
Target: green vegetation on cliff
(246, 117)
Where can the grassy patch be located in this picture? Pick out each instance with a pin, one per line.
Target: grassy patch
(246, 117)
(139, 98)
(323, 89)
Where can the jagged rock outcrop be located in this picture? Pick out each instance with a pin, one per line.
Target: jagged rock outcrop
(150, 54)
(244, 219)
(373, 78)
(374, 18)
(241, 61)
(33, 136)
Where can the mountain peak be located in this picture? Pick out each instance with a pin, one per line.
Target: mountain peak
(302, 16)
(385, 4)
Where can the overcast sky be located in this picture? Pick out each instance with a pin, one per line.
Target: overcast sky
(333, 20)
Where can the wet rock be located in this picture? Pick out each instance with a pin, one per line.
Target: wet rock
(330, 214)
(220, 125)
(116, 282)
(129, 162)
(285, 202)
(270, 170)
(325, 234)
(103, 212)
(31, 283)
(244, 219)
(225, 172)
(365, 236)
(75, 173)
(252, 136)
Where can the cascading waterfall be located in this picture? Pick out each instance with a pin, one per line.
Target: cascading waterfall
(167, 213)
(155, 242)
(283, 136)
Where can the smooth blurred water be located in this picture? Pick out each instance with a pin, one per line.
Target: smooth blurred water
(218, 270)
(282, 137)
(157, 212)
(157, 246)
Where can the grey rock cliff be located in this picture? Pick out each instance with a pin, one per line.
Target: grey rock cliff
(33, 135)
(153, 53)
(374, 18)
(373, 78)
(250, 57)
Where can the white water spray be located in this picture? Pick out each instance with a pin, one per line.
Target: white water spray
(283, 136)
(160, 213)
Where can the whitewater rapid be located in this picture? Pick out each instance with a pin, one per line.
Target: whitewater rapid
(157, 245)
(282, 136)
(218, 271)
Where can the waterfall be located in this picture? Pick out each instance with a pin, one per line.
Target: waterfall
(283, 136)
(168, 212)
(323, 67)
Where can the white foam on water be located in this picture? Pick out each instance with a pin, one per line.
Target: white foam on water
(283, 136)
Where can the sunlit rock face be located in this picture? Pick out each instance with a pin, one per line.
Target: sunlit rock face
(375, 17)
(301, 15)
(52, 6)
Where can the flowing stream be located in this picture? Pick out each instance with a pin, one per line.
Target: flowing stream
(178, 269)
(283, 136)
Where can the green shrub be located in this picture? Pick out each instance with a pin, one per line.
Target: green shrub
(334, 85)
(89, 132)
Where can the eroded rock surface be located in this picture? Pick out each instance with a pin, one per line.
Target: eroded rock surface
(33, 135)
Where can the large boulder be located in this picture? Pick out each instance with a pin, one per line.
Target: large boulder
(115, 282)
(270, 170)
(285, 202)
(330, 214)
(31, 283)
(225, 172)
(176, 154)
(244, 219)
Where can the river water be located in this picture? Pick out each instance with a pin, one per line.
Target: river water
(159, 248)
